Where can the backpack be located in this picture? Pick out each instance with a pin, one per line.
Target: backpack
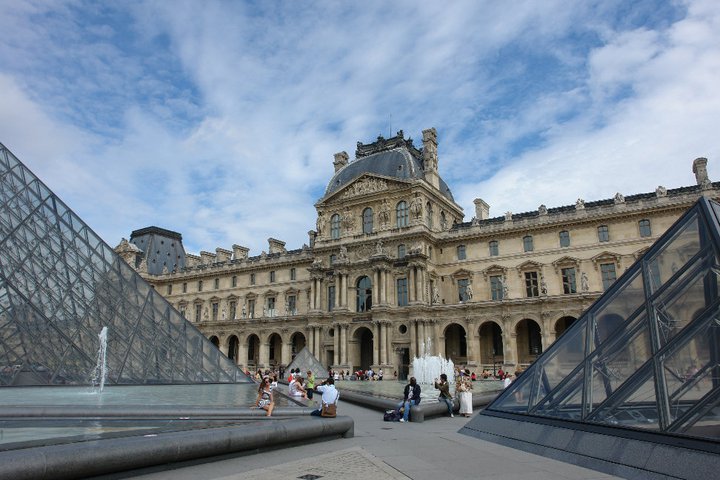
(392, 415)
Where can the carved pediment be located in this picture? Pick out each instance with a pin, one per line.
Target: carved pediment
(605, 257)
(461, 273)
(494, 270)
(529, 266)
(565, 262)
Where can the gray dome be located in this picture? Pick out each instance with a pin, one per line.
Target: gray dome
(396, 163)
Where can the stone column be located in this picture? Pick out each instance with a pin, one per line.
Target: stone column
(318, 342)
(388, 343)
(418, 289)
(224, 347)
(286, 354)
(344, 345)
(414, 352)
(383, 343)
(423, 285)
(336, 344)
(511, 355)
(376, 343)
(313, 289)
(338, 290)
(471, 340)
(422, 338)
(241, 359)
(264, 357)
(411, 284)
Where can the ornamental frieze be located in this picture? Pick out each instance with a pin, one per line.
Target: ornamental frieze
(365, 186)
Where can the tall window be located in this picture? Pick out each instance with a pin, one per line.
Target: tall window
(496, 287)
(293, 275)
(182, 311)
(364, 295)
(234, 280)
(607, 270)
(644, 226)
(603, 233)
(233, 309)
(497, 339)
(272, 276)
(184, 287)
(531, 284)
(333, 259)
(568, 279)
(200, 285)
(528, 243)
(271, 306)
(331, 298)
(198, 312)
(169, 289)
(463, 289)
(461, 254)
(494, 249)
(292, 305)
(564, 238)
(252, 279)
(401, 212)
(429, 216)
(216, 283)
(401, 250)
(402, 292)
(251, 308)
(215, 307)
(335, 226)
(367, 219)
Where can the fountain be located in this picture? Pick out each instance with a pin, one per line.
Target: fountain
(100, 371)
(426, 368)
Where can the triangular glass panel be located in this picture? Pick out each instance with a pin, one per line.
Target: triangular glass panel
(636, 407)
(62, 284)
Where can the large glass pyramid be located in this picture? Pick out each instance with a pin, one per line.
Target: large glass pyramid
(60, 284)
(646, 355)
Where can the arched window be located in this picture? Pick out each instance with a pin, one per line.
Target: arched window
(364, 294)
(402, 214)
(367, 219)
(335, 226)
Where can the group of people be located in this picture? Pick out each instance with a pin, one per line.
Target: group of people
(298, 387)
(463, 389)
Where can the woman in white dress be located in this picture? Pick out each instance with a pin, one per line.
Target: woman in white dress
(464, 391)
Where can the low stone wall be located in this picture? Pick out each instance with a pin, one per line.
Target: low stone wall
(102, 457)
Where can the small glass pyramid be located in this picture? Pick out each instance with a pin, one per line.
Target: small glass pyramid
(60, 284)
(306, 361)
(646, 355)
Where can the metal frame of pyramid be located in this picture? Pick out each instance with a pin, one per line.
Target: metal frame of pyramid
(304, 360)
(60, 284)
(639, 371)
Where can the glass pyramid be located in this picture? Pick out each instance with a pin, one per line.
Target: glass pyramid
(60, 284)
(646, 354)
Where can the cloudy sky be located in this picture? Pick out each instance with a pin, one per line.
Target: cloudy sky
(219, 120)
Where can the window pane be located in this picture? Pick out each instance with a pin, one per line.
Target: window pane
(607, 270)
(531, 284)
(568, 278)
(402, 292)
(401, 251)
(463, 289)
(644, 226)
(496, 287)
(528, 243)
(335, 226)
(494, 251)
(367, 220)
(564, 238)
(461, 252)
(402, 214)
(603, 233)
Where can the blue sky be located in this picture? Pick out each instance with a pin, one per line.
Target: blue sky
(219, 120)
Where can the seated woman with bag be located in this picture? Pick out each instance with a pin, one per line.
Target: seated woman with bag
(265, 397)
(330, 396)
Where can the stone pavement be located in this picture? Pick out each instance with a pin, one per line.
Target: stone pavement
(383, 450)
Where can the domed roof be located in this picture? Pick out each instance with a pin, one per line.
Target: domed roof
(401, 162)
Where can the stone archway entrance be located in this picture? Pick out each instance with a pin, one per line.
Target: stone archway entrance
(275, 350)
(253, 352)
(233, 346)
(529, 341)
(491, 351)
(456, 344)
(364, 346)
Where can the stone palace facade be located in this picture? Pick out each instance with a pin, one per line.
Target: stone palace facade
(393, 272)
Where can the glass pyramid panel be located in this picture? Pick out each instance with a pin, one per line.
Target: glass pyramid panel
(60, 284)
(646, 354)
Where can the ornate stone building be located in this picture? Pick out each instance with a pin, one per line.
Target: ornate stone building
(392, 271)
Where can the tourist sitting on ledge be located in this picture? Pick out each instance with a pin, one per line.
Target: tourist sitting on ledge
(411, 397)
(265, 397)
(330, 396)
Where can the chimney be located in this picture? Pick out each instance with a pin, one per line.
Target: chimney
(240, 253)
(430, 155)
(482, 209)
(341, 159)
(222, 254)
(207, 258)
(276, 246)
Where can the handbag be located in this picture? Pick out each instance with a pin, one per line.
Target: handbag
(329, 410)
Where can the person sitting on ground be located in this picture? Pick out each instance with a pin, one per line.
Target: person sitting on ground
(473, 377)
(445, 396)
(411, 396)
(265, 397)
(330, 395)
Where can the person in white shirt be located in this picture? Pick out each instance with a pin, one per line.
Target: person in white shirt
(330, 395)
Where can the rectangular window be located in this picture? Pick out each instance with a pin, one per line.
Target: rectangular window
(402, 292)
(401, 251)
(531, 284)
(603, 233)
(272, 276)
(233, 310)
(494, 249)
(496, 287)
(251, 308)
(271, 307)
(463, 289)
(215, 307)
(169, 289)
(564, 238)
(198, 312)
(252, 279)
(331, 298)
(184, 287)
(200, 285)
(333, 257)
(609, 276)
(461, 254)
(292, 274)
(528, 243)
(182, 312)
(568, 279)
(217, 283)
(644, 226)
(234, 281)
(292, 305)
